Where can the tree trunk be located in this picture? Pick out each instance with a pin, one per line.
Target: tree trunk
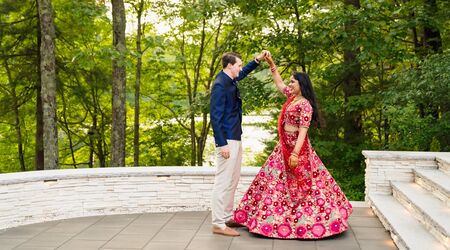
(383, 121)
(15, 106)
(415, 37)
(193, 140)
(352, 84)
(39, 148)
(101, 145)
(97, 130)
(19, 133)
(202, 139)
(67, 129)
(48, 77)
(213, 66)
(386, 133)
(118, 86)
(91, 148)
(94, 137)
(431, 43)
(300, 50)
(191, 103)
(137, 87)
(431, 35)
(101, 141)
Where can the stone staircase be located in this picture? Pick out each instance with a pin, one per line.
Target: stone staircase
(416, 210)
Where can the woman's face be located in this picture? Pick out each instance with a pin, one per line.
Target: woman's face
(294, 86)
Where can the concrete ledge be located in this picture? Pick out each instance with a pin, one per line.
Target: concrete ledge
(444, 163)
(445, 158)
(31, 197)
(404, 155)
(66, 174)
(39, 196)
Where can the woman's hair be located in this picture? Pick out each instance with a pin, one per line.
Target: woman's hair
(230, 58)
(308, 92)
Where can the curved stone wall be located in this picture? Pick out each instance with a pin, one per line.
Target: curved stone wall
(31, 197)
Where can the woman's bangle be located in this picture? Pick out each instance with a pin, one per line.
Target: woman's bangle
(295, 154)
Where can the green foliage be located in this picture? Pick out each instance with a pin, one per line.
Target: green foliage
(163, 144)
(418, 106)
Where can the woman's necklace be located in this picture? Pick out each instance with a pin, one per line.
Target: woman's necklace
(297, 98)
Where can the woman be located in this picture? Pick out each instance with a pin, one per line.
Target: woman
(294, 196)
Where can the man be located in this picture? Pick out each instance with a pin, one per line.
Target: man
(226, 119)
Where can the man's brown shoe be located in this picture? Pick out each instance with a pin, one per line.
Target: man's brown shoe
(232, 223)
(226, 231)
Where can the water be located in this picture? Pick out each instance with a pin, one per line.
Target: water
(253, 138)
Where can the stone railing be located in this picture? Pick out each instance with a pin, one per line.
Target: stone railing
(382, 167)
(30, 197)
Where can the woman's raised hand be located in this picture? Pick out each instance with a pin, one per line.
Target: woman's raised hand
(269, 60)
(262, 55)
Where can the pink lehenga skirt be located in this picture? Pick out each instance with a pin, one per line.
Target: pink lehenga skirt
(300, 203)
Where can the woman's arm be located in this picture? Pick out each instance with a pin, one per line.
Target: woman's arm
(275, 74)
(306, 111)
(293, 158)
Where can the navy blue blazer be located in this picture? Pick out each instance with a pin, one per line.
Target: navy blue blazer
(226, 106)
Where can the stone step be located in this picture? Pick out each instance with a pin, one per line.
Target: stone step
(406, 231)
(436, 182)
(424, 206)
(443, 162)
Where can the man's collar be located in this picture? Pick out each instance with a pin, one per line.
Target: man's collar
(227, 74)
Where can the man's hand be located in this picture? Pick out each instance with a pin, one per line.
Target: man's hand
(262, 55)
(224, 151)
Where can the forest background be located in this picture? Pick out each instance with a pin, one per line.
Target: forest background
(101, 95)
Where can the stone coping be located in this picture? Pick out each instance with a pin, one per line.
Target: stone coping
(406, 155)
(444, 158)
(65, 174)
(39, 196)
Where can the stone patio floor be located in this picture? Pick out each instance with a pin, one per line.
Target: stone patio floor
(180, 230)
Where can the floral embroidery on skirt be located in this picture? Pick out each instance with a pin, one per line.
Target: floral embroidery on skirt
(300, 203)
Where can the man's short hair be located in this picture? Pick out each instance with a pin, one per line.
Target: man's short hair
(230, 57)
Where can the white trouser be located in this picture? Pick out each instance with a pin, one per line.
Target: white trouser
(226, 180)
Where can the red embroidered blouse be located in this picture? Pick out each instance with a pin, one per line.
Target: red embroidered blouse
(298, 114)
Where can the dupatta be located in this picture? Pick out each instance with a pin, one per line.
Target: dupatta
(284, 148)
(303, 156)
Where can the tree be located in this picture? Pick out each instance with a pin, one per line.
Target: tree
(39, 147)
(118, 86)
(15, 108)
(203, 35)
(352, 78)
(48, 77)
(139, 9)
(15, 28)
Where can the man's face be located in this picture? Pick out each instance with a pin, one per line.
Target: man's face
(235, 68)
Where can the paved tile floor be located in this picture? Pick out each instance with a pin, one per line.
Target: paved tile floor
(182, 230)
